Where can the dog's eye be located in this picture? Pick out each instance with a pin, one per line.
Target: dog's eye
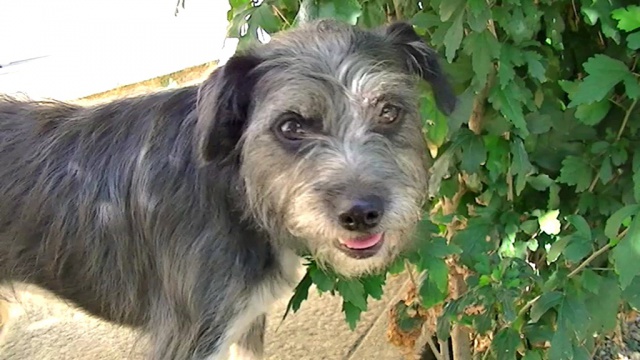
(389, 113)
(292, 128)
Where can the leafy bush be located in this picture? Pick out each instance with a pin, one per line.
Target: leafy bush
(532, 241)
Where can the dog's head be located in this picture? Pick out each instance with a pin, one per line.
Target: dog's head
(323, 122)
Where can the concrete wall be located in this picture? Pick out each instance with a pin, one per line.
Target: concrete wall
(66, 49)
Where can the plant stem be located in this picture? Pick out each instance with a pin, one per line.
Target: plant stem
(626, 119)
(599, 252)
(528, 305)
(434, 350)
(407, 267)
(444, 346)
(279, 13)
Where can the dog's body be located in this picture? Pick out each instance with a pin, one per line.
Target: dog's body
(183, 213)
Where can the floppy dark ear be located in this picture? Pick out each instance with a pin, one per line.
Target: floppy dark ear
(424, 61)
(223, 107)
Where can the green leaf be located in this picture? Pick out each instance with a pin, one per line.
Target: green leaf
(424, 20)
(534, 63)
(636, 175)
(590, 280)
(582, 227)
(520, 164)
(474, 155)
(323, 282)
(626, 255)
(438, 271)
(580, 243)
(628, 18)
(506, 72)
(612, 226)
(576, 171)
(436, 123)
(509, 102)
(437, 247)
(635, 164)
(453, 37)
(404, 320)
(264, 17)
(449, 7)
(497, 156)
(604, 73)
(372, 15)
(619, 156)
(556, 249)
(478, 16)
(632, 293)
(561, 347)
(532, 354)
(292, 5)
(601, 11)
(529, 227)
(300, 294)
(238, 3)
(538, 123)
(345, 10)
(574, 311)
(606, 171)
(434, 288)
(477, 7)
(591, 114)
(546, 302)
(472, 240)
(352, 314)
(352, 291)
(430, 294)
(483, 48)
(633, 41)
(540, 182)
(636, 186)
(549, 222)
(505, 343)
(580, 352)
(397, 266)
(373, 285)
(603, 305)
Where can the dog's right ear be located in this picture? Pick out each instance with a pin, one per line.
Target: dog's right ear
(223, 107)
(424, 61)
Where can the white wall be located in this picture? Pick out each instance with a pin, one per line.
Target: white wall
(90, 46)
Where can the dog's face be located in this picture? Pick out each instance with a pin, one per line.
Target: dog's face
(324, 124)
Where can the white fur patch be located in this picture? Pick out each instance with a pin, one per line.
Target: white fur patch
(259, 303)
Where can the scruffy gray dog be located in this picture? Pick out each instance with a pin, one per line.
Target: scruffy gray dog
(183, 213)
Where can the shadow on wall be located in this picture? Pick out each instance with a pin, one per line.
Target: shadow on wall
(67, 49)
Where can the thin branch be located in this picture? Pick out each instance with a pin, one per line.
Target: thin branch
(584, 264)
(528, 305)
(626, 119)
(279, 13)
(411, 277)
(434, 350)
(444, 347)
(599, 252)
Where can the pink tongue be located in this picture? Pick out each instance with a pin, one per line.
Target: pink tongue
(363, 242)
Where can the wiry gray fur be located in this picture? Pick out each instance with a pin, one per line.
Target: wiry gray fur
(180, 213)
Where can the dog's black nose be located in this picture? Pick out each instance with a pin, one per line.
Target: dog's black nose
(362, 214)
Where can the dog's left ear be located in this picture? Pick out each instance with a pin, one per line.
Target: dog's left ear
(424, 61)
(222, 107)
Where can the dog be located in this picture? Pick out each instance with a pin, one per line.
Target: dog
(184, 213)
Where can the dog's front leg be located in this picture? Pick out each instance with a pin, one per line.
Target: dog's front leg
(251, 344)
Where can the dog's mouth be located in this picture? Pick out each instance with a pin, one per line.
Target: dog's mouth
(361, 247)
